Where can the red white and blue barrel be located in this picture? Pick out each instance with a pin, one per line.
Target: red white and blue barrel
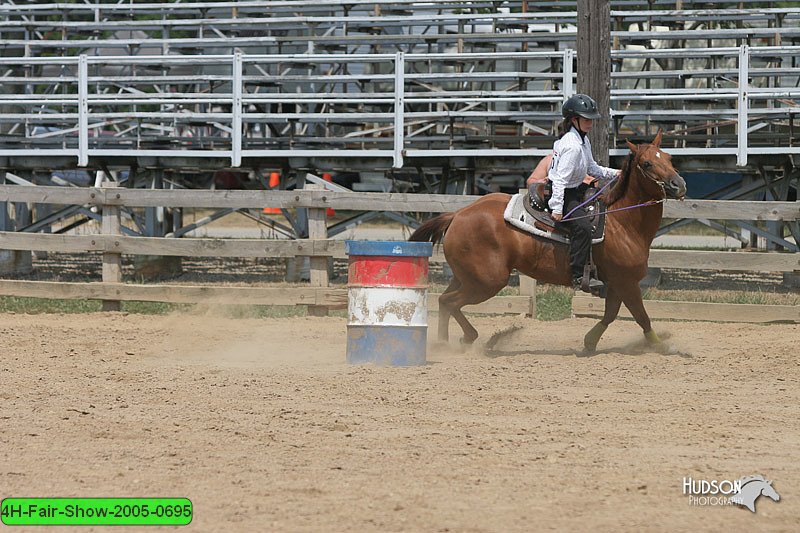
(387, 301)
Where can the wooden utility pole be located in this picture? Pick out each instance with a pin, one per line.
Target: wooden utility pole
(594, 67)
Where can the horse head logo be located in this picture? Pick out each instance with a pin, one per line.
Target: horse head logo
(751, 488)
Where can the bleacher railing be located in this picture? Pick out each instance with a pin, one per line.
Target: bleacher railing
(369, 105)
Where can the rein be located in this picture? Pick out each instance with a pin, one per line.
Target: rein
(647, 203)
(594, 196)
(591, 199)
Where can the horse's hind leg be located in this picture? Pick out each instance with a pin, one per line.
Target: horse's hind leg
(470, 333)
(467, 295)
(450, 303)
(444, 311)
(613, 303)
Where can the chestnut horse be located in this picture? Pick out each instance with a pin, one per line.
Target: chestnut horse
(483, 249)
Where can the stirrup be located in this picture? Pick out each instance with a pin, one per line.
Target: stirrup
(595, 287)
(595, 283)
(589, 283)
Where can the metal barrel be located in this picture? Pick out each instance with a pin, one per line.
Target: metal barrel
(387, 302)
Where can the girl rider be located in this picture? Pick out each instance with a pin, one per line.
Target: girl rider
(572, 161)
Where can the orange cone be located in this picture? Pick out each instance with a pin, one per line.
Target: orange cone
(327, 177)
(274, 183)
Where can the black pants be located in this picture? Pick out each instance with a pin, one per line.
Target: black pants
(580, 230)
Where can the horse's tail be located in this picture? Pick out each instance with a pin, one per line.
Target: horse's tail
(433, 230)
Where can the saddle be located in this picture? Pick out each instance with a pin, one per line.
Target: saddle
(539, 195)
(536, 205)
(529, 212)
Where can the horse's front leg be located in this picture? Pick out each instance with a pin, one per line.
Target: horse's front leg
(633, 301)
(613, 303)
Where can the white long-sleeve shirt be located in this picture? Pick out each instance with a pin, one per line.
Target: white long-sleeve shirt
(572, 160)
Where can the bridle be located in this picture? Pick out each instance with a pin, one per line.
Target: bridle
(607, 211)
(651, 178)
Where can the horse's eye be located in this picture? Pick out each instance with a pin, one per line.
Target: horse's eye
(647, 164)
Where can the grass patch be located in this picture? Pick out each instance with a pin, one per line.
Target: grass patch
(723, 297)
(35, 306)
(509, 291)
(153, 308)
(262, 311)
(553, 303)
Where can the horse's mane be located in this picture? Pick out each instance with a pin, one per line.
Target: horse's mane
(745, 480)
(616, 192)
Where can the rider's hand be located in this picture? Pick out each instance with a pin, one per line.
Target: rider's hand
(557, 217)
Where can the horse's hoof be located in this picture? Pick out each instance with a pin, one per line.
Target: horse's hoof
(465, 343)
(593, 337)
(657, 344)
(652, 338)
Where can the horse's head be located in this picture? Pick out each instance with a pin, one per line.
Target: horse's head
(655, 167)
(769, 491)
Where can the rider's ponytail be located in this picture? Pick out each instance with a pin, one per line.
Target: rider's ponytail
(564, 127)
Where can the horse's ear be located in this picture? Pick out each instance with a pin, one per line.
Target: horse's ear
(657, 140)
(632, 146)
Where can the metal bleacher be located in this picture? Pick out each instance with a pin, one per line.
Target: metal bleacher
(360, 85)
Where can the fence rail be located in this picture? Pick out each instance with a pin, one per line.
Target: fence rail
(359, 201)
(112, 245)
(716, 312)
(206, 247)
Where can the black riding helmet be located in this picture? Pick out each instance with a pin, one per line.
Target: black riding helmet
(580, 105)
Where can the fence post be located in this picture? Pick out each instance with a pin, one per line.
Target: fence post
(112, 261)
(14, 261)
(318, 266)
(527, 287)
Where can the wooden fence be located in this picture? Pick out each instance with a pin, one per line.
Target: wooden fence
(319, 295)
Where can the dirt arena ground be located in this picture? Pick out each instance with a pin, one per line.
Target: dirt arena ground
(263, 425)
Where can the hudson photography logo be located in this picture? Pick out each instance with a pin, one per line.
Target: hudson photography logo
(744, 491)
